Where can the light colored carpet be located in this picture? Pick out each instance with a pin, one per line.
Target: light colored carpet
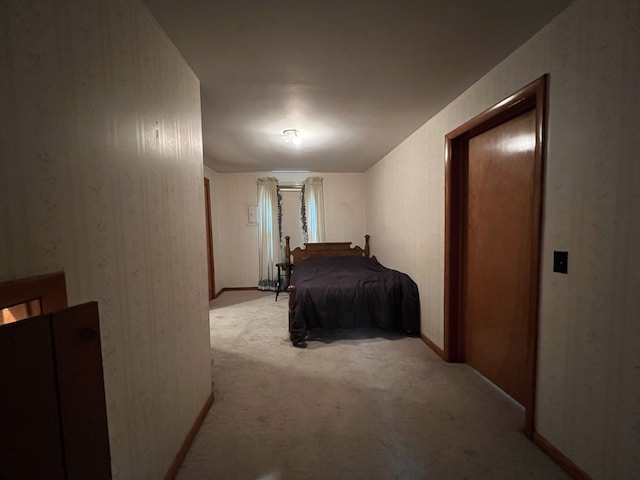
(356, 404)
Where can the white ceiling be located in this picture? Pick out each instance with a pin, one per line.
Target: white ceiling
(355, 77)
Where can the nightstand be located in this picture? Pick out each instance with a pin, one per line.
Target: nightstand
(284, 277)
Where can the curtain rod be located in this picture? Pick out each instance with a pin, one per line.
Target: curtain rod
(290, 186)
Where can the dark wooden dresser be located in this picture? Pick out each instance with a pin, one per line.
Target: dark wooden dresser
(53, 422)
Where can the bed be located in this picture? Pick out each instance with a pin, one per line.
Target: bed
(335, 286)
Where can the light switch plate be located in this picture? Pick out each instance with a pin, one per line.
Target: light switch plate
(561, 262)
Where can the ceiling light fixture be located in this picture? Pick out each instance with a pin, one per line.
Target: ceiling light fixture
(292, 136)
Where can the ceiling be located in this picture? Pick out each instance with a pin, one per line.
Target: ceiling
(354, 77)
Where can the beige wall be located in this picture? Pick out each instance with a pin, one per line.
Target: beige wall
(236, 240)
(589, 368)
(92, 185)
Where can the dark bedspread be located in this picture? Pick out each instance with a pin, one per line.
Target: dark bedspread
(347, 292)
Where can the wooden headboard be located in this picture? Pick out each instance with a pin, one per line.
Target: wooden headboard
(326, 249)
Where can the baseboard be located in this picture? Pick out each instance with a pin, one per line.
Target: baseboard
(188, 440)
(543, 444)
(432, 345)
(557, 456)
(233, 289)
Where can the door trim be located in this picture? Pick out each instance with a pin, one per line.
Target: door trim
(50, 289)
(210, 263)
(532, 96)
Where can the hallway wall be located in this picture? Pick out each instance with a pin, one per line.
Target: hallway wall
(588, 402)
(100, 137)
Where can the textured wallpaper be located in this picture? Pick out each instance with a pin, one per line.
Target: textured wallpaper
(589, 369)
(236, 241)
(101, 177)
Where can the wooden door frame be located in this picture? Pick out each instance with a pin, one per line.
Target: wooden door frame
(532, 96)
(208, 222)
(50, 289)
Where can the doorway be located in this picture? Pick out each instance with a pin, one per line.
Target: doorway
(494, 181)
(210, 262)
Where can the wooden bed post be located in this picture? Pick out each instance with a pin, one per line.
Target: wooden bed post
(366, 245)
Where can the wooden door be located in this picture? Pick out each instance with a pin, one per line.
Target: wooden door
(83, 409)
(497, 271)
(30, 433)
(53, 419)
(493, 213)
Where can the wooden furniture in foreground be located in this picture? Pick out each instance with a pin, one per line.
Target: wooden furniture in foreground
(325, 249)
(284, 277)
(53, 419)
(32, 296)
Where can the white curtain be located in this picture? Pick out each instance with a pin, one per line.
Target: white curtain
(314, 205)
(268, 232)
